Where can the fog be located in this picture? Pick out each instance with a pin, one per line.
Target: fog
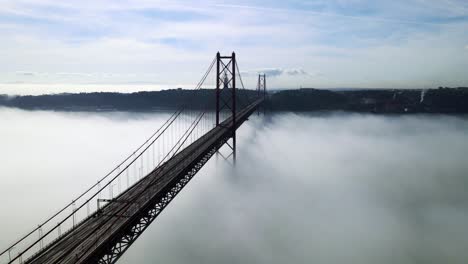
(306, 188)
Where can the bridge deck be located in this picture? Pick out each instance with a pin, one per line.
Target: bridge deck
(91, 235)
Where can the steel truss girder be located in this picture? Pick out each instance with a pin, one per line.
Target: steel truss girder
(123, 240)
(117, 246)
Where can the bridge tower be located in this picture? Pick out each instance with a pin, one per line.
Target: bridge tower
(261, 86)
(261, 90)
(226, 95)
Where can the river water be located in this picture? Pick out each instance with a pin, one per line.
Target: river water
(307, 188)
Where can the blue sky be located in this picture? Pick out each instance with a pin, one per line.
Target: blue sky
(164, 44)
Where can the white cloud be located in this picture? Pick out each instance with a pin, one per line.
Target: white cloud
(296, 72)
(25, 73)
(271, 72)
(274, 72)
(109, 37)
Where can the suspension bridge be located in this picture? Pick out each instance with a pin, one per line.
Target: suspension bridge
(101, 223)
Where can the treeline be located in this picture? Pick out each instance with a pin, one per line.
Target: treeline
(441, 100)
(139, 101)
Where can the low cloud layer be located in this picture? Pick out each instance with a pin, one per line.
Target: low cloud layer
(358, 189)
(324, 189)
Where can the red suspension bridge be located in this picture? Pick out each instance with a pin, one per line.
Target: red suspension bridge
(101, 223)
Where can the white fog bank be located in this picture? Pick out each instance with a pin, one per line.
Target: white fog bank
(325, 189)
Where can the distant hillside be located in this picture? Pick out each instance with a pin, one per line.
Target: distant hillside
(307, 100)
(441, 100)
(140, 101)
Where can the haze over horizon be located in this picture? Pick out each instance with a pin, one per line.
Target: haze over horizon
(86, 46)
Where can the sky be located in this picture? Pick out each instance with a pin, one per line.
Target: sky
(56, 46)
